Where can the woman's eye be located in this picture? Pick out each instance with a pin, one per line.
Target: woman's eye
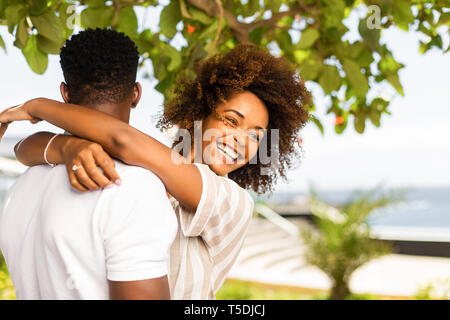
(232, 121)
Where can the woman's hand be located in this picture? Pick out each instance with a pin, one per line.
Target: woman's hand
(15, 113)
(86, 156)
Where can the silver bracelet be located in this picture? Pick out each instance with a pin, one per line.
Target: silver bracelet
(46, 148)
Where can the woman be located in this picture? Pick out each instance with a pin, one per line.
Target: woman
(236, 96)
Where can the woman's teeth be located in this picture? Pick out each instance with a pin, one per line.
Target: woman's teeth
(228, 152)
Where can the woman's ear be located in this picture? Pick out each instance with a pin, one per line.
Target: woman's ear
(137, 92)
(64, 92)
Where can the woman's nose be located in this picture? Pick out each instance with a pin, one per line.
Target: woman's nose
(240, 137)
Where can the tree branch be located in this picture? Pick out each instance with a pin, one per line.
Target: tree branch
(213, 44)
(116, 12)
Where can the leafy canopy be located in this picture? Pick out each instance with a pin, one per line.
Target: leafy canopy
(310, 33)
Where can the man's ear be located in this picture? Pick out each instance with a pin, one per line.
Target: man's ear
(137, 92)
(64, 92)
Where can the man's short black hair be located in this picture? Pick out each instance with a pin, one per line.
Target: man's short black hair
(99, 66)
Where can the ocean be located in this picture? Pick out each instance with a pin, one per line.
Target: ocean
(427, 208)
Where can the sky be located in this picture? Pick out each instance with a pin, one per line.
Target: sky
(410, 149)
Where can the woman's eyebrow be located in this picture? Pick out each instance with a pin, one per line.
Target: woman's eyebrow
(237, 112)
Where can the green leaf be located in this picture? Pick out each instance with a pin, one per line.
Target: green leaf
(22, 34)
(375, 116)
(257, 34)
(199, 15)
(329, 79)
(365, 58)
(359, 122)
(183, 10)
(96, 17)
(2, 43)
(310, 69)
(251, 8)
(402, 14)
(301, 55)
(95, 3)
(317, 123)
(272, 5)
(284, 39)
(379, 104)
(444, 19)
(13, 14)
(309, 36)
(127, 21)
(170, 16)
(333, 13)
(357, 80)
(370, 36)
(210, 31)
(38, 7)
(37, 60)
(389, 65)
(166, 84)
(174, 55)
(48, 46)
(436, 41)
(3, 5)
(395, 82)
(48, 25)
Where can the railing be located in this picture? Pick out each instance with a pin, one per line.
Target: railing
(11, 167)
(276, 219)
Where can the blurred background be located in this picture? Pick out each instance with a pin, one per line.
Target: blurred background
(387, 184)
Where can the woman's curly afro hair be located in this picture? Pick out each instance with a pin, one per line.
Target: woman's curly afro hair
(246, 68)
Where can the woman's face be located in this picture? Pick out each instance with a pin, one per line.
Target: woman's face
(232, 134)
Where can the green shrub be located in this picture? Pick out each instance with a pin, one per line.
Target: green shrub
(6, 286)
(243, 290)
(342, 241)
(438, 289)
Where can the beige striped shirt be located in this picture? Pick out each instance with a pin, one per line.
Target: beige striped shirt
(208, 241)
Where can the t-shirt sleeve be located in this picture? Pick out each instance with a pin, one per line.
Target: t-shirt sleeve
(223, 213)
(139, 227)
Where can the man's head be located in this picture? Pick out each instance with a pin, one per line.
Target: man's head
(99, 68)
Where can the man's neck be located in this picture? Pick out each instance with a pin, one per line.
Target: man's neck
(117, 111)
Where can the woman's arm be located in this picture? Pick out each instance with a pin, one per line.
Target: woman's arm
(70, 150)
(182, 180)
(30, 151)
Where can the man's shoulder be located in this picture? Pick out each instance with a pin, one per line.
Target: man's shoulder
(43, 168)
(37, 173)
(138, 176)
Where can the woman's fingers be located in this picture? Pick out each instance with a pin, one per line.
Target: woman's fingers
(108, 166)
(16, 113)
(3, 128)
(94, 167)
(94, 173)
(74, 180)
(84, 178)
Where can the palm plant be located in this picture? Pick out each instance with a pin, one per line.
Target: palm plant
(342, 241)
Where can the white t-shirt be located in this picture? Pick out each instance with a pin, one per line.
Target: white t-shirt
(59, 243)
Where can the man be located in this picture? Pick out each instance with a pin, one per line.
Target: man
(59, 243)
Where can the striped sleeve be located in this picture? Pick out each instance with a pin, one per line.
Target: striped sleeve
(224, 211)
